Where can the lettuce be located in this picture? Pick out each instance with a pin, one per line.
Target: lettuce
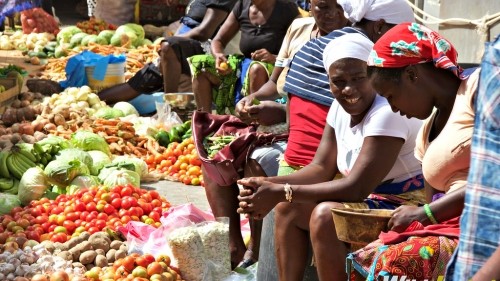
(70, 154)
(82, 182)
(61, 172)
(126, 108)
(108, 113)
(89, 141)
(65, 34)
(99, 160)
(140, 167)
(106, 35)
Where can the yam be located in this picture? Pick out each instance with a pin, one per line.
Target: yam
(15, 138)
(25, 103)
(28, 139)
(87, 257)
(16, 104)
(60, 246)
(124, 248)
(89, 266)
(9, 117)
(77, 265)
(59, 119)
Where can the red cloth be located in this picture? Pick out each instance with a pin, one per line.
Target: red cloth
(449, 228)
(411, 43)
(307, 122)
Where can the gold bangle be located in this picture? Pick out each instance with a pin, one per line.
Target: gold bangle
(288, 192)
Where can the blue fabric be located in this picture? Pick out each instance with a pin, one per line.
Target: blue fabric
(480, 220)
(245, 64)
(182, 29)
(401, 187)
(9, 7)
(75, 68)
(307, 77)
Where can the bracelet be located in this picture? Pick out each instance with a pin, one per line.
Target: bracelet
(429, 214)
(288, 192)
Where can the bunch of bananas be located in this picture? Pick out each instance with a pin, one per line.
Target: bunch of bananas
(10, 186)
(14, 163)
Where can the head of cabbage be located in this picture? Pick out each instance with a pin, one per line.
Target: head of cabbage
(99, 160)
(139, 165)
(8, 202)
(122, 177)
(70, 154)
(126, 108)
(80, 182)
(108, 113)
(86, 140)
(61, 172)
(32, 185)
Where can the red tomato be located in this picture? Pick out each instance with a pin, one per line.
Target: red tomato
(69, 225)
(73, 216)
(87, 198)
(126, 191)
(79, 206)
(100, 224)
(117, 203)
(125, 203)
(154, 215)
(109, 209)
(102, 216)
(91, 206)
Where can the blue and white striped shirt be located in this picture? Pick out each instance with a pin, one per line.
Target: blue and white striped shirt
(307, 77)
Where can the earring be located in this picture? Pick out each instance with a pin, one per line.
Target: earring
(380, 32)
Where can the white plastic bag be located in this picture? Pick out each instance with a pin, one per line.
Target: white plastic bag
(116, 12)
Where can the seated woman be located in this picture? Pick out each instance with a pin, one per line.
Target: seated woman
(366, 142)
(416, 70)
(263, 24)
(223, 199)
(200, 23)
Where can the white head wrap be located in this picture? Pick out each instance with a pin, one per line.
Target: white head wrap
(392, 11)
(352, 45)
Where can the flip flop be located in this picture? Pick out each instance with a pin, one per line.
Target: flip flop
(246, 263)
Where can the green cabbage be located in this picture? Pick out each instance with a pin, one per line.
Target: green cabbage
(108, 113)
(66, 33)
(99, 160)
(61, 172)
(101, 41)
(122, 177)
(147, 42)
(140, 166)
(106, 171)
(134, 32)
(32, 185)
(88, 39)
(106, 34)
(77, 39)
(8, 202)
(82, 182)
(126, 108)
(89, 141)
(70, 154)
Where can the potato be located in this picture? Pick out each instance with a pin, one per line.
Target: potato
(66, 255)
(115, 244)
(75, 252)
(77, 265)
(99, 243)
(110, 255)
(120, 254)
(71, 243)
(84, 246)
(88, 257)
(97, 235)
(60, 246)
(84, 235)
(59, 120)
(100, 252)
(101, 261)
(48, 245)
(124, 248)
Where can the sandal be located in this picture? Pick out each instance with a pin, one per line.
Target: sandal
(246, 263)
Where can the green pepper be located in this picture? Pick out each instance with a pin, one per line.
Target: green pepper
(186, 126)
(173, 136)
(188, 132)
(163, 138)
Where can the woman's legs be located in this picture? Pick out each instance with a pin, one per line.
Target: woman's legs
(292, 239)
(170, 68)
(223, 201)
(202, 89)
(257, 76)
(329, 252)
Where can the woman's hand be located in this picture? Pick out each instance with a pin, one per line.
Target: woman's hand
(259, 197)
(264, 56)
(241, 109)
(267, 113)
(403, 216)
(221, 64)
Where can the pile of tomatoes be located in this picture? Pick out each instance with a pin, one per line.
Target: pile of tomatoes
(90, 210)
(179, 162)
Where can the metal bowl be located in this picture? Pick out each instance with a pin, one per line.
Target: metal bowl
(180, 100)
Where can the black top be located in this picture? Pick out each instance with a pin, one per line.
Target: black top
(269, 35)
(196, 9)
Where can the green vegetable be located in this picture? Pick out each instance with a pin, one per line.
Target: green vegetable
(214, 144)
(173, 135)
(60, 52)
(133, 32)
(162, 138)
(99, 160)
(140, 167)
(108, 113)
(186, 126)
(76, 40)
(82, 182)
(255, 102)
(106, 35)
(11, 67)
(65, 34)
(89, 141)
(126, 108)
(61, 173)
(32, 185)
(14, 189)
(123, 177)
(71, 154)
(8, 202)
(88, 39)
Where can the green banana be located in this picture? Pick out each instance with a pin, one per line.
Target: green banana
(38, 148)
(14, 189)
(28, 154)
(23, 159)
(4, 170)
(6, 184)
(21, 163)
(13, 167)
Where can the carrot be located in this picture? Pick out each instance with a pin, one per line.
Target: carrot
(112, 139)
(113, 122)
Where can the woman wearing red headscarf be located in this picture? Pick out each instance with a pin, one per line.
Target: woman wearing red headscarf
(416, 70)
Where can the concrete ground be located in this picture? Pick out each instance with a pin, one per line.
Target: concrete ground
(178, 193)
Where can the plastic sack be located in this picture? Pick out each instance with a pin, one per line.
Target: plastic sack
(75, 68)
(116, 12)
(165, 117)
(244, 274)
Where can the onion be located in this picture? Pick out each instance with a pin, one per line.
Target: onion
(49, 127)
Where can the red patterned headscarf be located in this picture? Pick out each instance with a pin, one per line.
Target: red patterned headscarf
(412, 43)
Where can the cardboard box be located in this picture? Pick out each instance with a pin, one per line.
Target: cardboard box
(10, 93)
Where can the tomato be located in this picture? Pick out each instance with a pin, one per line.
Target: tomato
(69, 225)
(116, 202)
(91, 206)
(154, 215)
(100, 224)
(79, 206)
(93, 230)
(126, 191)
(154, 268)
(120, 272)
(59, 276)
(109, 209)
(195, 181)
(125, 203)
(140, 271)
(87, 198)
(102, 216)
(73, 216)
(125, 219)
(187, 180)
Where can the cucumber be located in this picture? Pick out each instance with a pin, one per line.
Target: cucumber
(41, 55)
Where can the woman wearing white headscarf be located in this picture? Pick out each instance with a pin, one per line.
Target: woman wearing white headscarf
(371, 146)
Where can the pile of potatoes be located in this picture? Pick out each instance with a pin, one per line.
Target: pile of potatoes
(88, 251)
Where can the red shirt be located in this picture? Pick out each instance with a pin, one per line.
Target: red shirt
(307, 122)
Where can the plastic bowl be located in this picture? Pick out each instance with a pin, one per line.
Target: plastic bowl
(146, 103)
(180, 100)
(360, 226)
